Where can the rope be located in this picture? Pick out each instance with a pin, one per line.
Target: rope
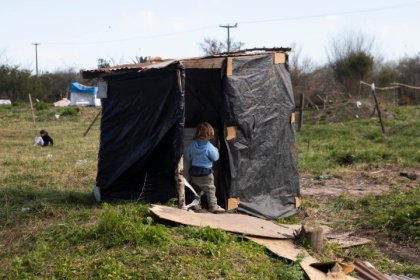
(404, 85)
(393, 86)
(379, 88)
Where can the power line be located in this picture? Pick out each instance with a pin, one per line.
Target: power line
(361, 11)
(379, 9)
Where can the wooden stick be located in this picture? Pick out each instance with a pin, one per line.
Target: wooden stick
(32, 109)
(179, 178)
(377, 108)
(94, 120)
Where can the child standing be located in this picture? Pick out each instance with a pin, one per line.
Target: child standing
(201, 154)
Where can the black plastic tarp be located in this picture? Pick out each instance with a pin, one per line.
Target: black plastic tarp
(142, 131)
(263, 166)
(141, 135)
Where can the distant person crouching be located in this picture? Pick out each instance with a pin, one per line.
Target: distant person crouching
(44, 139)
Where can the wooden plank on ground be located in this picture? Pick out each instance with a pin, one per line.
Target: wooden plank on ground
(346, 239)
(236, 223)
(286, 249)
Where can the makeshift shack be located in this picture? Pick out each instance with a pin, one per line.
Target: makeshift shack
(81, 95)
(148, 109)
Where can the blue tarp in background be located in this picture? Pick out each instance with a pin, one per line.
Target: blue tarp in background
(79, 88)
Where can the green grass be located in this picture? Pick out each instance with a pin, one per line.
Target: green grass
(397, 214)
(51, 228)
(360, 143)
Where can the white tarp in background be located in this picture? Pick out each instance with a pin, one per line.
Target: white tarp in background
(5, 102)
(81, 95)
(83, 99)
(62, 103)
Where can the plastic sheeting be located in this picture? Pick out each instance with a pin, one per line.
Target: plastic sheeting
(81, 95)
(83, 99)
(141, 136)
(263, 166)
(142, 132)
(79, 88)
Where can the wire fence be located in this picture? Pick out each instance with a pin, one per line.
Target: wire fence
(340, 107)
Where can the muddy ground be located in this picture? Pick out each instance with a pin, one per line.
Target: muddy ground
(358, 183)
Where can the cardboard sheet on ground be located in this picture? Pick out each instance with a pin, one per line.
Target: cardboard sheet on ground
(346, 239)
(258, 230)
(236, 223)
(286, 249)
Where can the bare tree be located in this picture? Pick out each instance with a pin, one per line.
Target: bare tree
(211, 46)
(351, 59)
(300, 71)
(139, 59)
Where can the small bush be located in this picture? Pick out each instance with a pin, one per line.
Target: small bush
(345, 159)
(40, 106)
(70, 111)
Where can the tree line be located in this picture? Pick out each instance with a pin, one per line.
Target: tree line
(16, 83)
(351, 59)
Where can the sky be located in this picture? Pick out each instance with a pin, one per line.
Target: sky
(75, 34)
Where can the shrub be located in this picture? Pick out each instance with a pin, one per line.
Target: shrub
(70, 111)
(40, 106)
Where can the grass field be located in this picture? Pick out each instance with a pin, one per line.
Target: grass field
(50, 226)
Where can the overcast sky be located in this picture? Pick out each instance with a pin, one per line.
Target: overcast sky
(76, 33)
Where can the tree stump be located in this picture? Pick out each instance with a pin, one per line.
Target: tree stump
(313, 234)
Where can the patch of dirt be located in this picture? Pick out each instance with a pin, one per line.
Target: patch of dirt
(392, 248)
(359, 183)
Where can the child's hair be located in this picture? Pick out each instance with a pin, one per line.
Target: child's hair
(204, 131)
(43, 132)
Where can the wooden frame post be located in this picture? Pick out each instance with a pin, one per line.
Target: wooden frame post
(179, 179)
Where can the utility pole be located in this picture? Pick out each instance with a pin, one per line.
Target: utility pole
(36, 57)
(228, 27)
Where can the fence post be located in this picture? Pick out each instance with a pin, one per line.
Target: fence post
(377, 107)
(32, 109)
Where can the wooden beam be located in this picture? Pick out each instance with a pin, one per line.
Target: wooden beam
(279, 58)
(233, 203)
(229, 67)
(231, 133)
(293, 117)
(209, 63)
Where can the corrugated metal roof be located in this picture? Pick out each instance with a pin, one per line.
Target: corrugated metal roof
(88, 74)
(215, 61)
